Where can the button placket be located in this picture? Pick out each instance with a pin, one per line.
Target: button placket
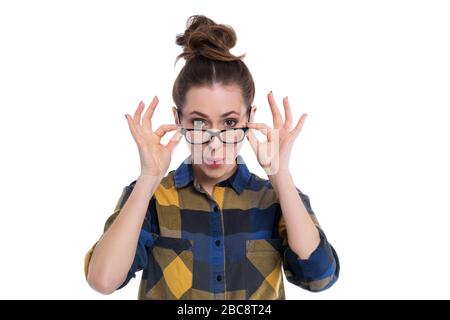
(218, 253)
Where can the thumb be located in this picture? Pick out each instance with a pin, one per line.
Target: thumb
(174, 140)
(253, 141)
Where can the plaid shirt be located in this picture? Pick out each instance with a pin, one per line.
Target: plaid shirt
(231, 245)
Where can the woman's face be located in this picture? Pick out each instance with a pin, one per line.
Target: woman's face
(214, 108)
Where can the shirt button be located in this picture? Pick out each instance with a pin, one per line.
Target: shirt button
(219, 277)
(217, 242)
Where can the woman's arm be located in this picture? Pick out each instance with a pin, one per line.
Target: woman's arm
(274, 155)
(303, 236)
(114, 253)
(308, 259)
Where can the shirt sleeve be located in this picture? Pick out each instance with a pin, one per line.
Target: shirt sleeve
(321, 270)
(148, 234)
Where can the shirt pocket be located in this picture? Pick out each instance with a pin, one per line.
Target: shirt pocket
(172, 268)
(264, 279)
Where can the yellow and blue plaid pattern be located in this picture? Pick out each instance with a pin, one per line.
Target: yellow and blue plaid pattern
(231, 245)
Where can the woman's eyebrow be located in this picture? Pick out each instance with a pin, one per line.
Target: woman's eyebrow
(231, 112)
(199, 113)
(205, 116)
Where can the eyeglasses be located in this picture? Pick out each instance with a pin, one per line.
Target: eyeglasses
(202, 136)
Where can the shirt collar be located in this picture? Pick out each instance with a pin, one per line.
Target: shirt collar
(238, 181)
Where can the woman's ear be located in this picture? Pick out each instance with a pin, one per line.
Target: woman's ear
(252, 113)
(175, 115)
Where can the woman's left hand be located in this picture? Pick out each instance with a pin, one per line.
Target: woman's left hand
(273, 155)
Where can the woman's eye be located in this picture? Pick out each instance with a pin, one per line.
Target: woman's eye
(199, 122)
(230, 122)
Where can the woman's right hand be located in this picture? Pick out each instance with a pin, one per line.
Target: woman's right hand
(155, 157)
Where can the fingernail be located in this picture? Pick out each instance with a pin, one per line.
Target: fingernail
(125, 116)
(270, 92)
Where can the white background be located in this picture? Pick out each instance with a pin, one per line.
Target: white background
(373, 76)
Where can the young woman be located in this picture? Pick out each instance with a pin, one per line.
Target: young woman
(211, 229)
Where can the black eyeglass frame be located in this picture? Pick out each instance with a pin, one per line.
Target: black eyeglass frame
(214, 133)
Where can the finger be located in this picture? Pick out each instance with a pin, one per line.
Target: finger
(137, 113)
(174, 140)
(287, 113)
(276, 114)
(147, 120)
(257, 125)
(253, 141)
(262, 127)
(131, 126)
(299, 125)
(163, 129)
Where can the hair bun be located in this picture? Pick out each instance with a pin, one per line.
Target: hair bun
(204, 37)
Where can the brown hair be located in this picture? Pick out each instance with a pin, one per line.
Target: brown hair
(206, 49)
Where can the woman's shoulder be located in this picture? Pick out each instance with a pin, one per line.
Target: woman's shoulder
(261, 188)
(167, 181)
(258, 183)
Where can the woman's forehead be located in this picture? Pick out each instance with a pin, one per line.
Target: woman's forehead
(214, 101)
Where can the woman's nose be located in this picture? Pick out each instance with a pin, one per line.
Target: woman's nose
(215, 143)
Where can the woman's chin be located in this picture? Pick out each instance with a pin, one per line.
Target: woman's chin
(215, 170)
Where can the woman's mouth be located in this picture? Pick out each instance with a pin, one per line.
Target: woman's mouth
(214, 163)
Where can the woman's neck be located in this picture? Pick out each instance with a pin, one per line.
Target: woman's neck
(208, 183)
